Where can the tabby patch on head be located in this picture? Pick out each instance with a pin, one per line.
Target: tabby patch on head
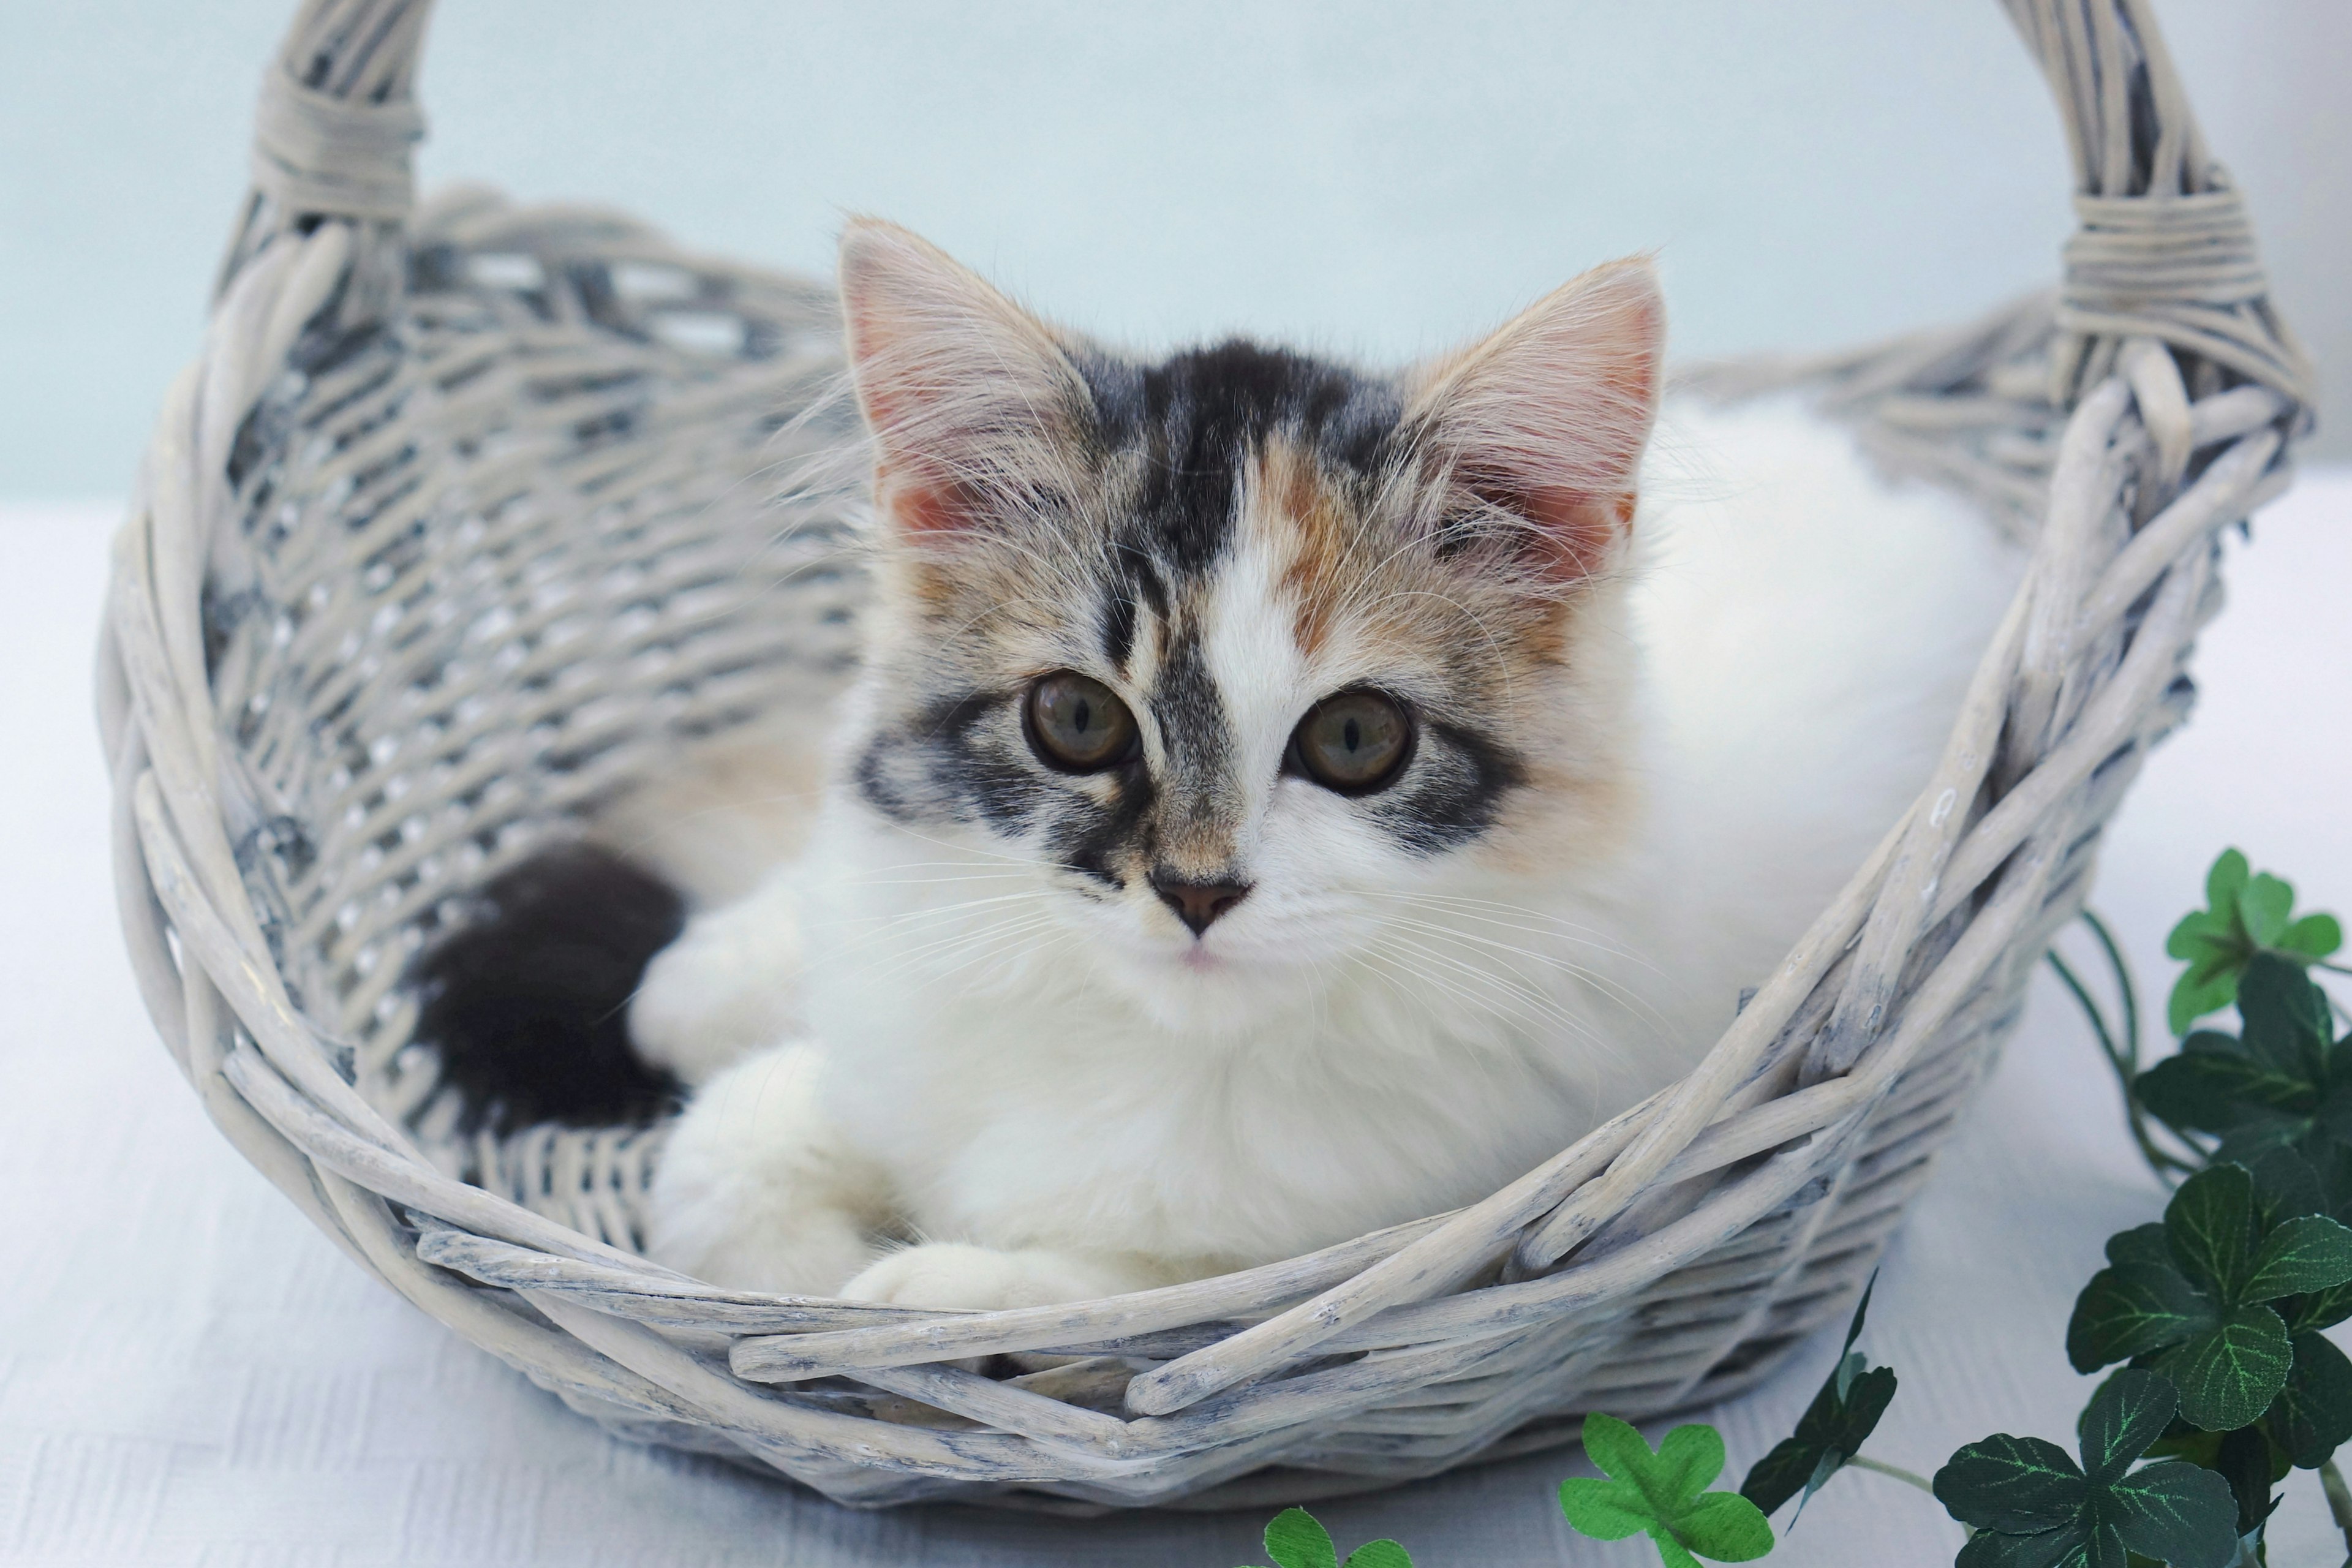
(1224, 643)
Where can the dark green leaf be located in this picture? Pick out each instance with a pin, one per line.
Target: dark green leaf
(1295, 1539)
(2333, 1115)
(2035, 1507)
(1845, 1412)
(2214, 1092)
(2251, 1141)
(2314, 1412)
(1861, 1311)
(2285, 1184)
(1987, 1549)
(2140, 1244)
(2129, 1413)
(2183, 1515)
(2244, 1460)
(2211, 1225)
(1866, 1400)
(2228, 1375)
(2018, 1486)
(2305, 1254)
(2287, 1024)
(1790, 1468)
(2130, 1310)
(2321, 1310)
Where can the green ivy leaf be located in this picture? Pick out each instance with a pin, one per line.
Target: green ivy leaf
(2287, 1025)
(2245, 1457)
(2245, 914)
(2314, 1412)
(1296, 1539)
(2132, 1311)
(2265, 906)
(2209, 1224)
(2229, 1375)
(2314, 936)
(1663, 1494)
(2321, 1310)
(2198, 1308)
(2017, 1486)
(2309, 1252)
(2035, 1507)
(2213, 1088)
(1831, 1431)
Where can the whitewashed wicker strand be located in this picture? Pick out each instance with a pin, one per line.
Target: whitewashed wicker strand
(467, 518)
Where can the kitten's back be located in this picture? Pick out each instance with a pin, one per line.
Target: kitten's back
(1809, 628)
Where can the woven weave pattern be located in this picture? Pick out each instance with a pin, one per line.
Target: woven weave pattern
(466, 518)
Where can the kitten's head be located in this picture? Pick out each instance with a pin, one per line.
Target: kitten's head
(1239, 655)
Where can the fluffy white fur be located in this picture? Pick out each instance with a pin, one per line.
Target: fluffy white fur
(1056, 1102)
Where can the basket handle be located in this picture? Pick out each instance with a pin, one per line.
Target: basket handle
(2164, 251)
(337, 120)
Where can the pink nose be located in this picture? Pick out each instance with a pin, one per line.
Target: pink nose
(1198, 903)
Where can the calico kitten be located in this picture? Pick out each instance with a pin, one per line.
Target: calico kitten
(1278, 801)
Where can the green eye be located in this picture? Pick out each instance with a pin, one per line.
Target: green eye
(1353, 742)
(1078, 725)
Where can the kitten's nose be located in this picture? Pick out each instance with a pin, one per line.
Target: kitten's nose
(1198, 903)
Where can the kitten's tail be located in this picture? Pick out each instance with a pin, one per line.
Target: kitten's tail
(527, 1005)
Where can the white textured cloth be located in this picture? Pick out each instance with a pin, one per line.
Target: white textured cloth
(190, 1375)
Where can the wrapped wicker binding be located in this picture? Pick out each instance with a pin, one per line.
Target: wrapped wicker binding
(460, 523)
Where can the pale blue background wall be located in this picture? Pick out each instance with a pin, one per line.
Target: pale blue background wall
(1373, 177)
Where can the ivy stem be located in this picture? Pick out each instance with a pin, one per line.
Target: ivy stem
(2339, 1500)
(1909, 1477)
(2122, 1053)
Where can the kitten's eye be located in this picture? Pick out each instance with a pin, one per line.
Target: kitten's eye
(1353, 742)
(1080, 725)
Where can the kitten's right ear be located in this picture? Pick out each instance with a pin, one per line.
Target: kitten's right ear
(1539, 429)
(973, 406)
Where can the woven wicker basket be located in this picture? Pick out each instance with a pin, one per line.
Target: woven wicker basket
(458, 526)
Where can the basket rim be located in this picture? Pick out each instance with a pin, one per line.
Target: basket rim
(2069, 682)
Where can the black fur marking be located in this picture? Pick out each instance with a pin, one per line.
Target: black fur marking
(1086, 839)
(1191, 714)
(1118, 627)
(1196, 417)
(527, 1006)
(945, 763)
(1460, 792)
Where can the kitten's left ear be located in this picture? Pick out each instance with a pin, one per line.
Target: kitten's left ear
(1544, 421)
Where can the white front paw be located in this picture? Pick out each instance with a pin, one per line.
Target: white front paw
(753, 1192)
(951, 1274)
(730, 985)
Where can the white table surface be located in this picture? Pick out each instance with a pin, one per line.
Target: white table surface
(190, 1375)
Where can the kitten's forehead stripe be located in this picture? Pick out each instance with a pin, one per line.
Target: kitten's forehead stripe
(1197, 416)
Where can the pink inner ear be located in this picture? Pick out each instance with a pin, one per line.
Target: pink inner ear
(1576, 534)
(964, 393)
(1547, 420)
